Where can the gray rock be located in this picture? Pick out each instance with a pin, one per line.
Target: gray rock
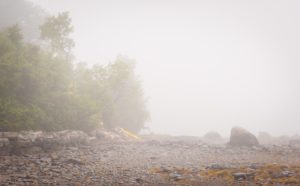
(265, 138)
(175, 176)
(255, 166)
(212, 137)
(242, 137)
(216, 166)
(283, 174)
(287, 173)
(239, 176)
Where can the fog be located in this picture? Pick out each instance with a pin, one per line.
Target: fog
(205, 65)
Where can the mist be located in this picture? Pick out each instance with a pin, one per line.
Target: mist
(205, 65)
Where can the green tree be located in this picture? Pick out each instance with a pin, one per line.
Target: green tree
(125, 106)
(57, 30)
(34, 85)
(17, 83)
(41, 88)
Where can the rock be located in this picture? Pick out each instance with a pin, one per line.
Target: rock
(282, 174)
(216, 166)
(139, 180)
(265, 138)
(239, 176)
(175, 176)
(287, 173)
(241, 137)
(255, 166)
(212, 137)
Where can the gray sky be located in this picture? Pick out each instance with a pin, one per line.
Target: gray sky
(205, 65)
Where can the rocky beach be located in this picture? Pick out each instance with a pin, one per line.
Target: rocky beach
(118, 159)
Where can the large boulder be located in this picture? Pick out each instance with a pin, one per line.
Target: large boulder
(212, 137)
(242, 137)
(265, 138)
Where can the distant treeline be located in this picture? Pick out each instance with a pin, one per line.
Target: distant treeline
(42, 88)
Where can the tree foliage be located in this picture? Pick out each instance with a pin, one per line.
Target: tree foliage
(56, 30)
(42, 89)
(126, 103)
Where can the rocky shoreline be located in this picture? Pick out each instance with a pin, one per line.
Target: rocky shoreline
(107, 160)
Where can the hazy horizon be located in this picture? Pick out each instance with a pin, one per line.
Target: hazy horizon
(205, 65)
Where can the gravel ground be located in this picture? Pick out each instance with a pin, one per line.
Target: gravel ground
(153, 162)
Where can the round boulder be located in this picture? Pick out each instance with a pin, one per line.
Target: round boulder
(265, 138)
(242, 137)
(212, 137)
